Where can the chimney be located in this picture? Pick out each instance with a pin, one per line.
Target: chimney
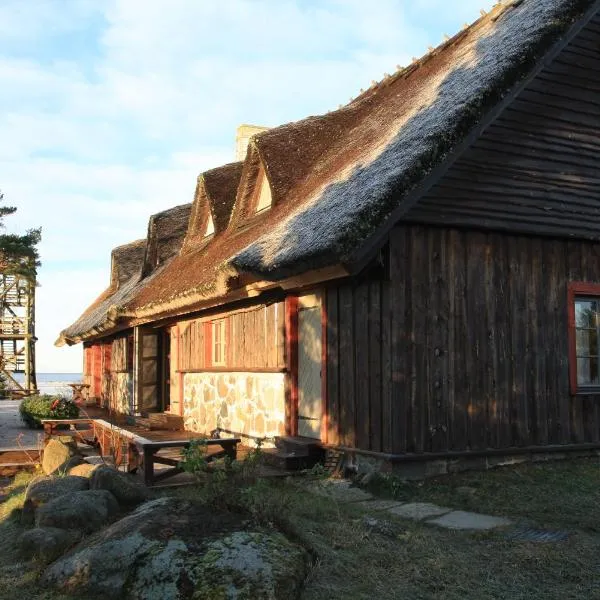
(242, 137)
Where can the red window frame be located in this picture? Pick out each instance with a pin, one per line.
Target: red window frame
(574, 290)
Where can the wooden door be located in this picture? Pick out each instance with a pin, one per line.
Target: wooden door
(310, 337)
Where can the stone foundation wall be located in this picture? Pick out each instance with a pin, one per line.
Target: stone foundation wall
(249, 404)
(121, 393)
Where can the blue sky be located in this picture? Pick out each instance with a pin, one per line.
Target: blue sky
(111, 108)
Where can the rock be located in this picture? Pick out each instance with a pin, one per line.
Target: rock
(43, 489)
(170, 548)
(83, 470)
(84, 511)
(382, 526)
(127, 491)
(74, 461)
(56, 453)
(247, 564)
(46, 543)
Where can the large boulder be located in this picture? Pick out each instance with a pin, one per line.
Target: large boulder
(43, 489)
(84, 469)
(46, 543)
(56, 453)
(250, 564)
(85, 511)
(122, 486)
(170, 548)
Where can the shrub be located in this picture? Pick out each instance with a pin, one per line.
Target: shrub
(4, 389)
(44, 406)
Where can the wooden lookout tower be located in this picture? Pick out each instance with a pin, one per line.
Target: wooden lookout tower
(17, 333)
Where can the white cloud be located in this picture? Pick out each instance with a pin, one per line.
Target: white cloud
(109, 110)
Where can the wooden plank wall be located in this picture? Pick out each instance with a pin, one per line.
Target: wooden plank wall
(255, 339)
(119, 358)
(535, 169)
(466, 347)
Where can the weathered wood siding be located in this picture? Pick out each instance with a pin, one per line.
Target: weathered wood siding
(119, 356)
(254, 340)
(537, 168)
(465, 347)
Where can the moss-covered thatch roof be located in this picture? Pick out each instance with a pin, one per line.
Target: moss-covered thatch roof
(133, 266)
(126, 271)
(335, 179)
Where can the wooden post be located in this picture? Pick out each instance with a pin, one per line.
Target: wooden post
(291, 339)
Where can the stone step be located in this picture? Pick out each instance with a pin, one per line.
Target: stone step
(288, 461)
(301, 446)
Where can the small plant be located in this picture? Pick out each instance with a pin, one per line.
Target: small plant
(45, 406)
(227, 483)
(318, 471)
(194, 457)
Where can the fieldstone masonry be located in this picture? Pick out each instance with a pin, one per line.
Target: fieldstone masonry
(249, 404)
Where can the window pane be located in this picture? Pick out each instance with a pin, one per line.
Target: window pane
(587, 371)
(585, 313)
(587, 342)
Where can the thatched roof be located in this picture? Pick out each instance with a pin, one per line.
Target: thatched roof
(126, 262)
(126, 271)
(336, 178)
(214, 198)
(166, 231)
(344, 173)
(133, 266)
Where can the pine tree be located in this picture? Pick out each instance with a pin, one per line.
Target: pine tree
(18, 253)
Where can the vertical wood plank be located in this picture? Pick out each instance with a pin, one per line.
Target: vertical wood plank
(477, 344)
(502, 335)
(519, 319)
(386, 368)
(291, 328)
(361, 364)
(574, 263)
(332, 374)
(438, 341)
(270, 336)
(403, 377)
(324, 391)
(375, 351)
(539, 324)
(347, 389)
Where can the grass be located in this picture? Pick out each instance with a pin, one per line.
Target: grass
(418, 561)
(413, 560)
(561, 494)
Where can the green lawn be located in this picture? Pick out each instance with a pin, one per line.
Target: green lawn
(558, 494)
(416, 561)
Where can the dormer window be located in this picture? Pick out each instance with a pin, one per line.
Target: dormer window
(264, 199)
(210, 227)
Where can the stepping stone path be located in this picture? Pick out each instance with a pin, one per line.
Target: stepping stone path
(345, 493)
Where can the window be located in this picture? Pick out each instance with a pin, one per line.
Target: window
(264, 196)
(210, 227)
(584, 337)
(218, 343)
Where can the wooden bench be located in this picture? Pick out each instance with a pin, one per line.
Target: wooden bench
(68, 427)
(148, 453)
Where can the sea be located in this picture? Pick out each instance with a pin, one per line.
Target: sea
(54, 383)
